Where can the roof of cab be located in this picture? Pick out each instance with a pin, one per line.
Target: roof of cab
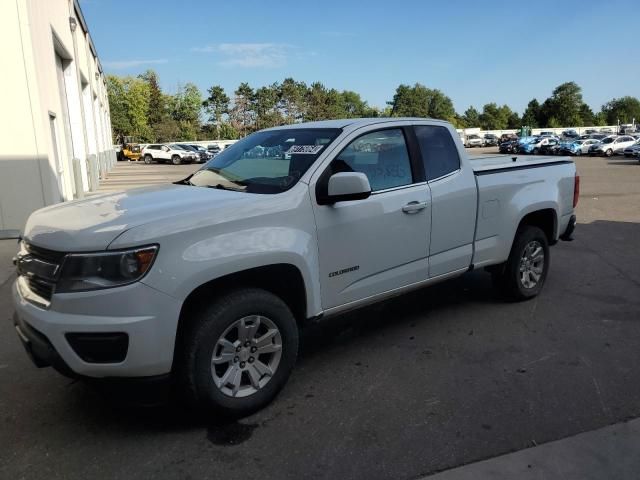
(352, 122)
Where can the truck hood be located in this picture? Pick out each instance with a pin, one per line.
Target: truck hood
(92, 224)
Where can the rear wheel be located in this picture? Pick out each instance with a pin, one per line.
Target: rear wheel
(239, 352)
(148, 159)
(176, 160)
(523, 275)
(535, 151)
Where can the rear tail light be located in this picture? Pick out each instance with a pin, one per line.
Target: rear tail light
(576, 190)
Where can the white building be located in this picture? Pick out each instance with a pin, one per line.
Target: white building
(55, 129)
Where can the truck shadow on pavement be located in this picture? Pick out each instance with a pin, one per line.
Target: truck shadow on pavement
(464, 342)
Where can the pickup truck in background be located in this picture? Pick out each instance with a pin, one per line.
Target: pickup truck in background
(205, 282)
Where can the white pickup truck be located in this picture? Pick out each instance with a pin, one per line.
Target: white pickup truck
(206, 281)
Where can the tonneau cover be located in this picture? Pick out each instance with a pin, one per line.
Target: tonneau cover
(489, 164)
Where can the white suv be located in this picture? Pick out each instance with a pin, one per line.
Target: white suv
(612, 145)
(167, 153)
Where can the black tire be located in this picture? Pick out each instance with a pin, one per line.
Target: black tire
(608, 153)
(148, 159)
(535, 151)
(176, 160)
(201, 337)
(507, 277)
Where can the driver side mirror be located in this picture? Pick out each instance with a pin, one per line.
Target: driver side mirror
(346, 186)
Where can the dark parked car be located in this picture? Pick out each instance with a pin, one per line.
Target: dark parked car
(205, 155)
(490, 140)
(570, 134)
(505, 137)
(552, 147)
(214, 149)
(202, 156)
(510, 146)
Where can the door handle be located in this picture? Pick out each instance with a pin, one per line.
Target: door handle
(414, 207)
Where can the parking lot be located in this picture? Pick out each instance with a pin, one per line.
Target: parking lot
(439, 378)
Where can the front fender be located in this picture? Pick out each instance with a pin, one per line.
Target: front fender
(200, 246)
(237, 251)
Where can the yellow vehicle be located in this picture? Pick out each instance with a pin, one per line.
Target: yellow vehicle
(131, 151)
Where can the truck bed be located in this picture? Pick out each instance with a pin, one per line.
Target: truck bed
(498, 163)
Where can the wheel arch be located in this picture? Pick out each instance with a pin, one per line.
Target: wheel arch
(546, 219)
(281, 279)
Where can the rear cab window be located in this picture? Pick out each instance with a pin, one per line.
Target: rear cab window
(439, 152)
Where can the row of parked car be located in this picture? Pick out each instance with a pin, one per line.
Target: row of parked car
(597, 144)
(175, 153)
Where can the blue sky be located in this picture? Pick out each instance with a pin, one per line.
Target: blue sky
(476, 52)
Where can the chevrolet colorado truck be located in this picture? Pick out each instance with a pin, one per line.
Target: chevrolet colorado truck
(206, 281)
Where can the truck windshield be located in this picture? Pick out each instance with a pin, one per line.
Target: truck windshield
(270, 161)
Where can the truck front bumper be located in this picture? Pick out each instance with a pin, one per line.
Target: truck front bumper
(127, 331)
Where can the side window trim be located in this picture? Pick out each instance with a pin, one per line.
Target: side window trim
(415, 155)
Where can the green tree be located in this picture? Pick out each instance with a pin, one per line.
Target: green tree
(588, 118)
(265, 105)
(494, 117)
(137, 104)
(292, 100)
(471, 118)
(167, 130)
(553, 122)
(157, 107)
(514, 121)
(322, 103)
(184, 108)
(531, 116)
(564, 106)
(623, 110)
(120, 123)
(216, 105)
(600, 119)
(242, 114)
(420, 101)
(227, 132)
(354, 106)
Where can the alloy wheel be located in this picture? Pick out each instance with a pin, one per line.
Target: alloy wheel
(246, 356)
(531, 264)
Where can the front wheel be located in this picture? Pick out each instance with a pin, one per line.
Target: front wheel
(176, 160)
(609, 152)
(239, 352)
(525, 271)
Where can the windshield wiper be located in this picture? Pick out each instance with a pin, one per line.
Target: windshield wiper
(185, 181)
(219, 186)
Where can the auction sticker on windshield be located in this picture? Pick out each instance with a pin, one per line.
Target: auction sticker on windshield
(305, 149)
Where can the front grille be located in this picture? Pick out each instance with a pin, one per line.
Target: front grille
(40, 268)
(44, 254)
(40, 287)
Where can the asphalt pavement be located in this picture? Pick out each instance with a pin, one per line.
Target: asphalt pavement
(443, 377)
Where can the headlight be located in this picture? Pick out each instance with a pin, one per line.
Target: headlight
(93, 271)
